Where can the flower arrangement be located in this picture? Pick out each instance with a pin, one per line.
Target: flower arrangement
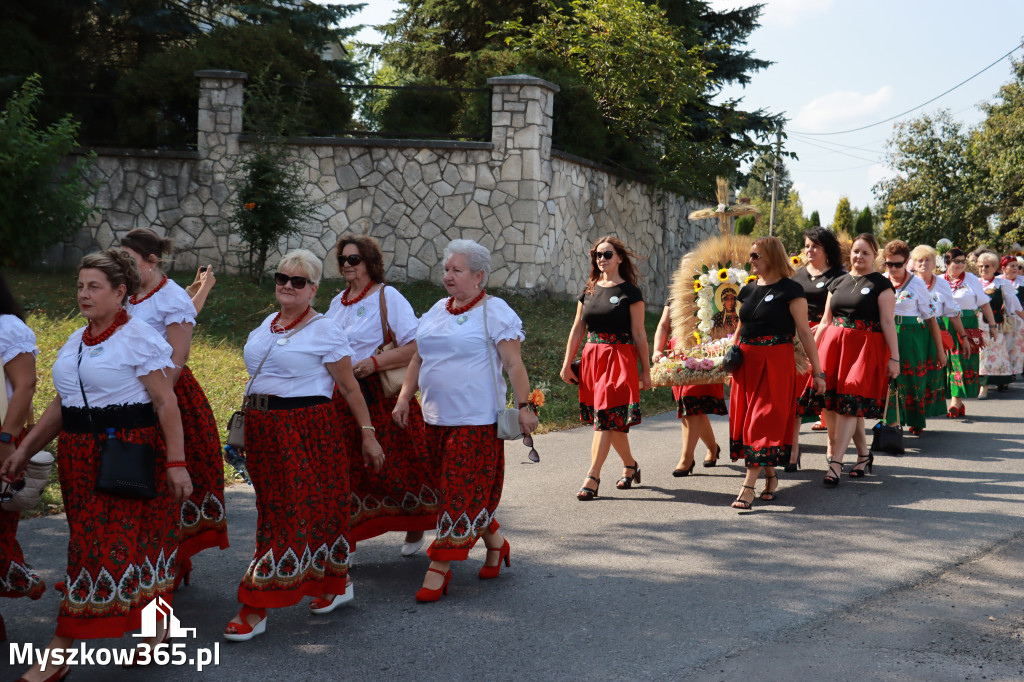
(697, 365)
(536, 400)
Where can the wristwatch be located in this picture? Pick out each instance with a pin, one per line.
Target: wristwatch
(6, 437)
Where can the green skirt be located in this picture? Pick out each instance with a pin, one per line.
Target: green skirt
(962, 374)
(921, 382)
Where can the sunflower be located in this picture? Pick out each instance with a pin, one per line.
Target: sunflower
(751, 278)
(696, 335)
(697, 286)
(723, 275)
(796, 261)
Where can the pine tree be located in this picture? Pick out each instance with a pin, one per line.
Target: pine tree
(843, 221)
(814, 220)
(865, 222)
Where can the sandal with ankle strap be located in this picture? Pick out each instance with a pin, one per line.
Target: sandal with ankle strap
(244, 631)
(769, 493)
(626, 482)
(586, 494)
(832, 479)
(868, 460)
(740, 503)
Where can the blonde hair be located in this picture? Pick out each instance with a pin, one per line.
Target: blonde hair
(924, 251)
(988, 256)
(304, 260)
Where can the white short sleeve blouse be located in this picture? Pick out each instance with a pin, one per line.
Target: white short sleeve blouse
(15, 338)
(968, 292)
(457, 378)
(361, 321)
(295, 366)
(942, 297)
(1010, 302)
(111, 370)
(170, 305)
(914, 300)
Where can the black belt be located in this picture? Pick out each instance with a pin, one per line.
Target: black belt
(132, 416)
(265, 403)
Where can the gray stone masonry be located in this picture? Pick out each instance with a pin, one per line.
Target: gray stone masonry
(537, 210)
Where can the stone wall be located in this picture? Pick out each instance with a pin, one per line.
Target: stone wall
(537, 210)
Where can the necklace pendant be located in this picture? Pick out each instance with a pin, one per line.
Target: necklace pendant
(283, 342)
(461, 319)
(361, 311)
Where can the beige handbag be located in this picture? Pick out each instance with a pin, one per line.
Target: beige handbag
(507, 418)
(390, 379)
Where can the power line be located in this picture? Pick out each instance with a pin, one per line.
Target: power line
(838, 151)
(919, 106)
(800, 138)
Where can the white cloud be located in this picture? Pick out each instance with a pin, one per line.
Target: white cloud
(841, 108)
(785, 13)
(824, 201)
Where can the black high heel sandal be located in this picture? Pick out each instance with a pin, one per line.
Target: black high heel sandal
(859, 473)
(679, 473)
(832, 479)
(712, 462)
(740, 503)
(626, 482)
(794, 466)
(586, 494)
(769, 493)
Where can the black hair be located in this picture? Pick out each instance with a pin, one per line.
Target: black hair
(826, 239)
(8, 305)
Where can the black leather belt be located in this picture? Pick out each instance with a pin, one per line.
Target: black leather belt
(264, 402)
(131, 416)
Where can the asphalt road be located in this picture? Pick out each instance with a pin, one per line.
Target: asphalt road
(910, 574)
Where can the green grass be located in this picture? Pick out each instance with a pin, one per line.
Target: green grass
(236, 306)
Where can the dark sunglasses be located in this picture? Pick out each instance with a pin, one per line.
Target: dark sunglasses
(352, 259)
(11, 489)
(754, 256)
(889, 264)
(280, 279)
(606, 255)
(533, 455)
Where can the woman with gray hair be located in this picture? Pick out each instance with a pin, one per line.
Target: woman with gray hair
(463, 344)
(297, 459)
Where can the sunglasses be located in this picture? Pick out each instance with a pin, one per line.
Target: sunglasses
(754, 256)
(280, 279)
(533, 455)
(352, 259)
(895, 265)
(606, 255)
(12, 489)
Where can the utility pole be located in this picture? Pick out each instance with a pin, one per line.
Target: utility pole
(775, 180)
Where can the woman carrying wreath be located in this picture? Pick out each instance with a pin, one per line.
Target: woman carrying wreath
(611, 311)
(402, 496)
(762, 400)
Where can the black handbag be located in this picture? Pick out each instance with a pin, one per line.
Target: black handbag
(888, 439)
(126, 469)
(733, 359)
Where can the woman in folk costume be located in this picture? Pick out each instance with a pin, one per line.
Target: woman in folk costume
(962, 378)
(996, 362)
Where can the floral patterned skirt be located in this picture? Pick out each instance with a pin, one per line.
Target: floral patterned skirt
(403, 496)
(1016, 345)
(609, 383)
(762, 405)
(121, 552)
(203, 521)
(921, 384)
(17, 578)
(994, 365)
(854, 364)
(962, 372)
(472, 475)
(697, 399)
(299, 468)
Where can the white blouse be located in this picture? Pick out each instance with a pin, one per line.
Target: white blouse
(295, 366)
(15, 338)
(969, 293)
(457, 378)
(111, 370)
(914, 300)
(361, 321)
(1010, 303)
(170, 305)
(942, 298)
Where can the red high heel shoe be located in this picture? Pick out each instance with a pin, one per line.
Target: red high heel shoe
(243, 632)
(184, 572)
(962, 411)
(488, 572)
(137, 654)
(427, 595)
(61, 674)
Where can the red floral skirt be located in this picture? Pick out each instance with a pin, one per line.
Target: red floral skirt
(17, 578)
(203, 521)
(762, 403)
(854, 364)
(696, 399)
(121, 552)
(299, 469)
(403, 496)
(609, 383)
(472, 474)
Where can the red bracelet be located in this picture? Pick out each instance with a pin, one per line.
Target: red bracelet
(171, 465)
(376, 367)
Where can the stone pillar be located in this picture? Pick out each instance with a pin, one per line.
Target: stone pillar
(522, 114)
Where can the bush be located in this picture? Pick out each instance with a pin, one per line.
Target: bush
(42, 200)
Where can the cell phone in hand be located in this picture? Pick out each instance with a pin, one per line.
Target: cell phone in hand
(202, 269)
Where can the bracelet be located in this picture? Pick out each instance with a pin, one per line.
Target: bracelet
(820, 375)
(171, 465)
(376, 367)
(522, 405)
(894, 359)
(369, 428)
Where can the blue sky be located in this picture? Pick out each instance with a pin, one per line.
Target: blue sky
(842, 64)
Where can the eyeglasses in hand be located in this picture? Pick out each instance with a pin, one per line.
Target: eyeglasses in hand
(11, 489)
(533, 455)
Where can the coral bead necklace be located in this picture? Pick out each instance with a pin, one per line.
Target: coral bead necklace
(135, 299)
(450, 305)
(275, 328)
(88, 339)
(362, 294)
